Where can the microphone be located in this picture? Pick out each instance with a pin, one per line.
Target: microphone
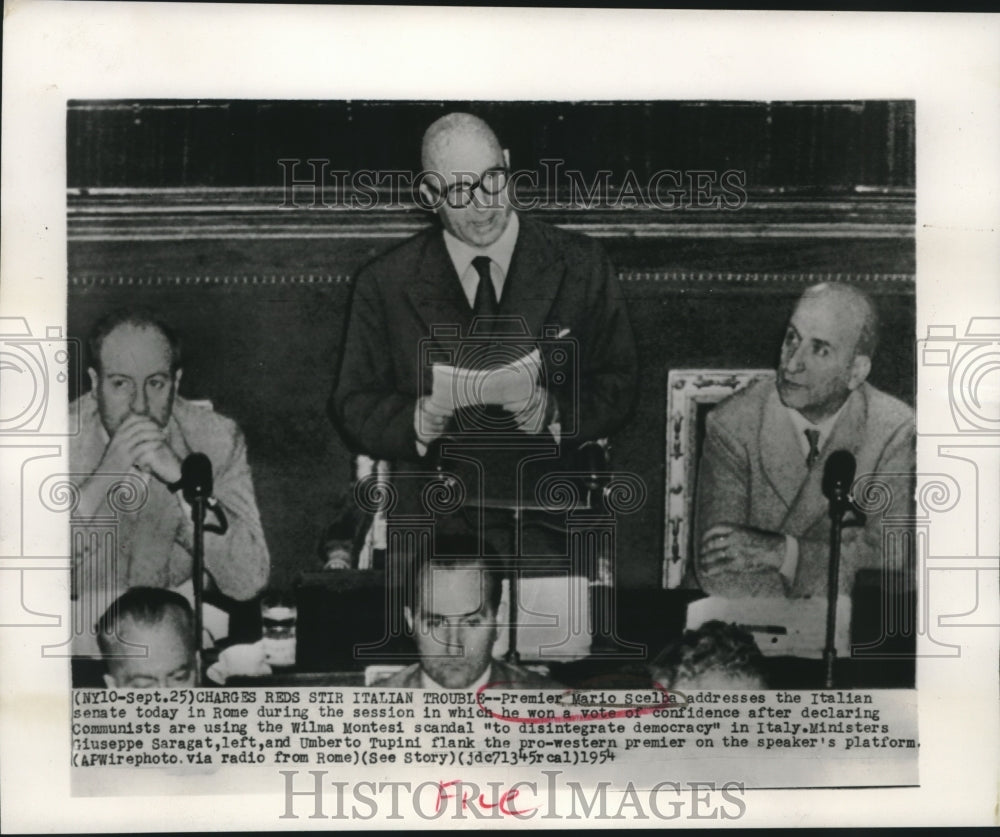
(838, 476)
(196, 477)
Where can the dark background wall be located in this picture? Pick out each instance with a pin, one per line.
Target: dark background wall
(177, 205)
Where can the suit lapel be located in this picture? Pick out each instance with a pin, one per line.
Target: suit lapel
(532, 285)
(780, 452)
(848, 434)
(533, 280)
(436, 292)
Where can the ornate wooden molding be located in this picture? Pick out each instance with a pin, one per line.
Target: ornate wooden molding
(99, 215)
(876, 282)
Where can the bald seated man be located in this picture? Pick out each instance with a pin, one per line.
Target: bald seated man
(481, 260)
(762, 518)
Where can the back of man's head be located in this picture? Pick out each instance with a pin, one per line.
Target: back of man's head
(147, 639)
(716, 656)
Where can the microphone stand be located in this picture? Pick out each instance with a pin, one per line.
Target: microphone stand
(196, 485)
(838, 505)
(198, 577)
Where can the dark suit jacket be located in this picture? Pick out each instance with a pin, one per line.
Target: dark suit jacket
(753, 473)
(556, 279)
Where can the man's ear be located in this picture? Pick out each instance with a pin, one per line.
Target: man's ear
(92, 374)
(860, 367)
(506, 157)
(408, 616)
(109, 681)
(177, 379)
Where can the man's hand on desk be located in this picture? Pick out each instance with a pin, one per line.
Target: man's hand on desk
(729, 548)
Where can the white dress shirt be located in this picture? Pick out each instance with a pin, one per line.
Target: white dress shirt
(499, 253)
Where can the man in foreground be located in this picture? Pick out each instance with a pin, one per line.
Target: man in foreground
(452, 616)
(761, 512)
(147, 641)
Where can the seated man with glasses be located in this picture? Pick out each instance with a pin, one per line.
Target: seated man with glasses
(484, 276)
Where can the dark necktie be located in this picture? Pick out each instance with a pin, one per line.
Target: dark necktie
(813, 437)
(486, 300)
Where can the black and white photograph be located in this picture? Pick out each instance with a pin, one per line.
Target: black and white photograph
(528, 458)
(298, 312)
(551, 395)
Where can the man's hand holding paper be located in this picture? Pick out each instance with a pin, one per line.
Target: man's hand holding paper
(430, 420)
(514, 383)
(514, 386)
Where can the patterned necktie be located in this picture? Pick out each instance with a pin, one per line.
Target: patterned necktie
(813, 436)
(486, 300)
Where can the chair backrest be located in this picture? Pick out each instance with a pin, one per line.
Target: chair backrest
(691, 393)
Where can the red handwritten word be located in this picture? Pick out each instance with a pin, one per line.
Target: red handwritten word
(505, 803)
(600, 713)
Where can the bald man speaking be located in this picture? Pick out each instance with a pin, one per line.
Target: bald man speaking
(484, 264)
(763, 527)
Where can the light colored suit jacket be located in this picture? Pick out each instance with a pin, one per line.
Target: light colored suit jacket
(504, 675)
(153, 529)
(753, 473)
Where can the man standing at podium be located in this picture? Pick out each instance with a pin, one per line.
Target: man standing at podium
(485, 262)
(762, 521)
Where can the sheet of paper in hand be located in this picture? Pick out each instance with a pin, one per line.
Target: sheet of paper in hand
(511, 384)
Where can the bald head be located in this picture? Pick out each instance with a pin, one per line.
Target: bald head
(465, 179)
(857, 309)
(448, 137)
(147, 639)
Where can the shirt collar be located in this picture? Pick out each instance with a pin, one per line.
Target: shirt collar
(824, 427)
(500, 251)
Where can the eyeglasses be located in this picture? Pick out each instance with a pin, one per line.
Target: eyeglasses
(459, 194)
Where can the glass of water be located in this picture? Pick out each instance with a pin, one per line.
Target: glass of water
(278, 615)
